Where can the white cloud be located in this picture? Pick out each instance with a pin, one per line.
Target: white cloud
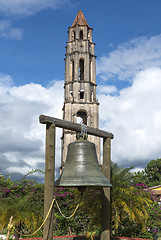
(15, 33)
(28, 7)
(23, 8)
(110, 89)
(8, 32)
(5, 80)
(133, 114)
(134, 117)
(130, 58)
(23, 144)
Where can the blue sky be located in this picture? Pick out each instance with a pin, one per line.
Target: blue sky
(38, 56)
(33, 37)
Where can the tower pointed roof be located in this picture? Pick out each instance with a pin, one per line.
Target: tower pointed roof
(80, 20)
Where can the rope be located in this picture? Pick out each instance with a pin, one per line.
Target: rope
(10, 226)
(90, 235)
(63, 214)
(27, 235)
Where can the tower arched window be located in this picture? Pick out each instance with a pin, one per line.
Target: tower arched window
(81, 94)
(91, 71)
(82, 117)
(71, 70)
(73, 35)
(81, 69)
(81, 34)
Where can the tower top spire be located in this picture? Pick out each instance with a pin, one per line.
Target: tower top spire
(80, 19)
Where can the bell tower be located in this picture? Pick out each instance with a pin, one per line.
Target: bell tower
(80, 103)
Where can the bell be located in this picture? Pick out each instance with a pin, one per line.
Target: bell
(81, 168)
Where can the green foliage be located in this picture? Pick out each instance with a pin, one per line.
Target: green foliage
(151, 176)
(90, 207)
(153, 171)
(154, 220)
(128, 202)
(87, 216)
(135, 212)
(67, 200)
(140, 177)
(24, 201)
(132, 229)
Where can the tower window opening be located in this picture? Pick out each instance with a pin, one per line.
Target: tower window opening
(81, 69)
(89, 36)
(91, 96)
(73, 70)
(91, 71)
(82, 117)
(71, 95)
(81, 95)
(74, 35)
(81, 34)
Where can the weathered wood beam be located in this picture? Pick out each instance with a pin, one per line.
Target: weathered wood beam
(74, 126)
(106, 210)
(49, 180)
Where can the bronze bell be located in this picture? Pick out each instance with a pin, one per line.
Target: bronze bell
(82, 168)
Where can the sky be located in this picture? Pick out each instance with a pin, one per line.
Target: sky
(33, 36)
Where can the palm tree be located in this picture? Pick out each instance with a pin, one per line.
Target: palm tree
(127, 201)
(24, 202)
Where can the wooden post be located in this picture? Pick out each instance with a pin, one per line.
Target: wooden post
(106, 209)
(49, 180)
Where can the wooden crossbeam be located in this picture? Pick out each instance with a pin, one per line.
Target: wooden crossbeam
(74, 126)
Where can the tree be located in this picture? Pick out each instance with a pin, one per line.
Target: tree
(153, 172)
(151, 176)
(128, 202)
(24, 201)
(140, 177)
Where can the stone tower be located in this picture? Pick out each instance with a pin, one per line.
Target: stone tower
(80, 82)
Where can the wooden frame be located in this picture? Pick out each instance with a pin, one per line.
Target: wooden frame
(51, 123)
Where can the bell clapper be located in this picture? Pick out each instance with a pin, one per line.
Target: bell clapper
(81, 189)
